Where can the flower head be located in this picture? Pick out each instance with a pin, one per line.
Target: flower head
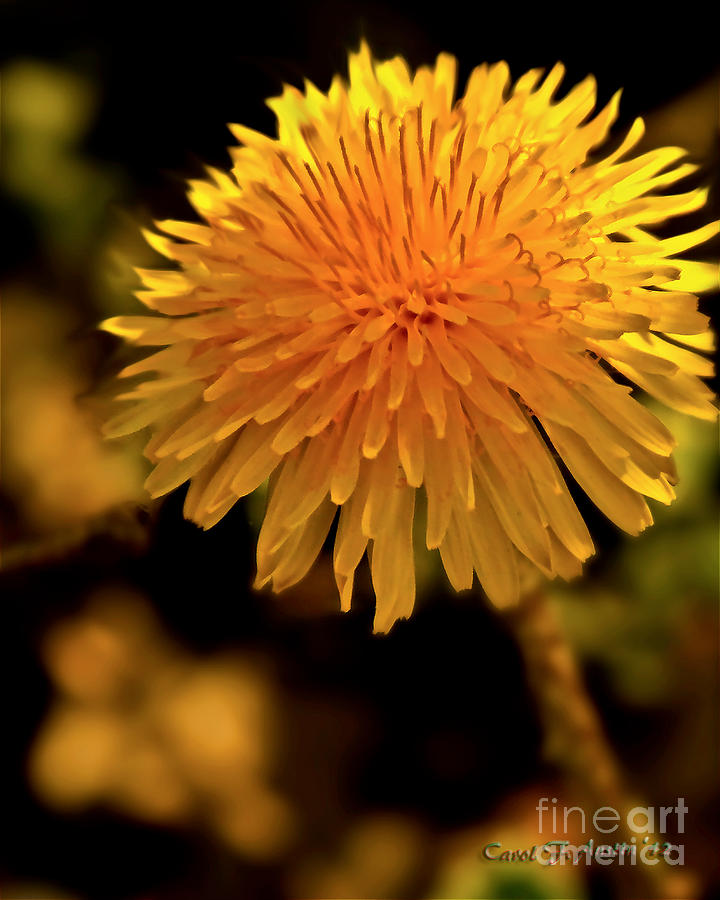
(405, 293)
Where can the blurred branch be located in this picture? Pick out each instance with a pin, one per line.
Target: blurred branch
(120, 527)
(575, 738)
(573, 731)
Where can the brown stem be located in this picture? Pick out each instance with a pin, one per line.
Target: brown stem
(575, 739)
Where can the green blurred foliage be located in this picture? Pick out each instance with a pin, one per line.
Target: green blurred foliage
(632, 618)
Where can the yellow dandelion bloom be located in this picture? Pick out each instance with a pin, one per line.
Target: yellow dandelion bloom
(403, 291)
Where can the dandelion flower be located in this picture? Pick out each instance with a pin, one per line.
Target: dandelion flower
(405, 293)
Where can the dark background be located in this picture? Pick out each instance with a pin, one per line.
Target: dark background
(434, 723)
(172, 75)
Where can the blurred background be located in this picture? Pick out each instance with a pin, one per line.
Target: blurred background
(170, 734)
